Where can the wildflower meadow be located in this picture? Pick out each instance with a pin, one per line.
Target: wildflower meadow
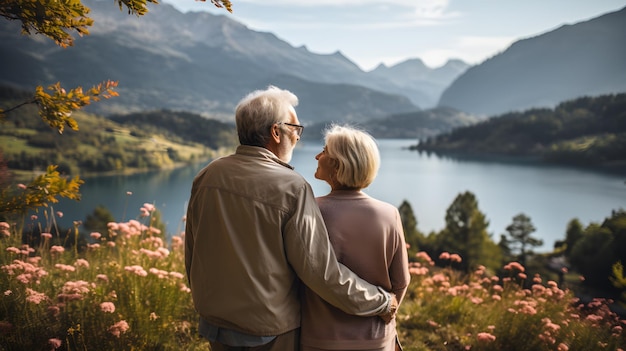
(126, 290)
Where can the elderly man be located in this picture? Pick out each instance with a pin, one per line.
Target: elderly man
(254, 233)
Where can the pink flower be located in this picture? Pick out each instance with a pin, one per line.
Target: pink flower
(137, 270)
(177, 241)
(57, 249)
(129, 193)
(594, 318)
(418, 270)
(456, 258)
(423, 256)
(59, 214)
(54, 343)
(119, 328)
(102, 277)
(35, 296)
(95, 235)
(486, 337)
(78, 287)
(4, 225)
(155, 254)
(551, 326)
(153, 316)
(514, 266)
(33, 217)
(65, 267)
(177, 275)
(476, 300)
(46, 235)
(14, 250)
(444, 256)
(24, 278)
(107, 307)
(184, 288)
(158, 272)
(81, 262)
(21, 186)
(149, 207)
(562, 347)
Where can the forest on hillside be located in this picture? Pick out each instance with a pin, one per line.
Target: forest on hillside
(593, 250)
(141, 141)
(587, 132)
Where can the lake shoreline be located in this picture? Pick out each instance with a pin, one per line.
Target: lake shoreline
(20, 175)
(612, 168)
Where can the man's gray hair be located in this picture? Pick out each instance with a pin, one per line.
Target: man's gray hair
(258, 111)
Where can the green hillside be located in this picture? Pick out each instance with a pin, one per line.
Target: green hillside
(103, 145)
(588, 132)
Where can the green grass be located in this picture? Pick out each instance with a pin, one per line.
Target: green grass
(126, 290)
(14, 145)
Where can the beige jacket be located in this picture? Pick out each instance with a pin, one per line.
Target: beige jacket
(253, 230)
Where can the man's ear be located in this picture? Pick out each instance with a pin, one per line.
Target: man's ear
(275, 133)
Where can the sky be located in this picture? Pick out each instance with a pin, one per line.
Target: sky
(371, 32)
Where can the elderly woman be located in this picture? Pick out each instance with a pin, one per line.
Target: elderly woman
(367, 237)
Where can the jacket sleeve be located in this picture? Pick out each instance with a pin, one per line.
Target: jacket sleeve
(399, 267)
(189, 237)
(310, 253)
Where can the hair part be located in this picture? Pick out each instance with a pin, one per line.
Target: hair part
(356, 153)
(259, 110)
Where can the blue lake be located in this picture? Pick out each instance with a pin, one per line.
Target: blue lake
(551, 196)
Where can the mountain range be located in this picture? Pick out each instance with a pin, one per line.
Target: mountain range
(582, 59)
(204, 63)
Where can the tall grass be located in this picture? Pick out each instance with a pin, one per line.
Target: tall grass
(126, 290)
(445, 310)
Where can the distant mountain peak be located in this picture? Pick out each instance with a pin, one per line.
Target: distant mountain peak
(203, 63)
(582, 59)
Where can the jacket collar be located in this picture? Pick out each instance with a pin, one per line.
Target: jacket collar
(257, 151)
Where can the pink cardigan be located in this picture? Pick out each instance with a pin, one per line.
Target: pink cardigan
(367, 237)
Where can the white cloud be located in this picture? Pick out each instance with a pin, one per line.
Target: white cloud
(482, 47)
(325, 3)
(419, 11)
(471, 49)
(433, 9)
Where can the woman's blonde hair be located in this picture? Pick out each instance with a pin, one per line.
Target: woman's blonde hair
(356, 153)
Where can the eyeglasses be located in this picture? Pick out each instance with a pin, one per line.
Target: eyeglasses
(299, 128)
